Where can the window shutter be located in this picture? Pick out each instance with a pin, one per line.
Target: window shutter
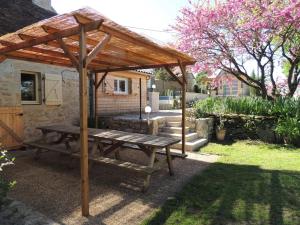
(53, 89)
(130, 86)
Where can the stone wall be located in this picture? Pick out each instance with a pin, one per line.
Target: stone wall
(249, 127)
(40, 114)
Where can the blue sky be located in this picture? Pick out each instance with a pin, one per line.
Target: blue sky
(149, 14)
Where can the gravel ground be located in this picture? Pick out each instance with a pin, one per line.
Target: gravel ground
(52, 187)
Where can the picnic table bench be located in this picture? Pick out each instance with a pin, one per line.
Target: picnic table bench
(105, 142)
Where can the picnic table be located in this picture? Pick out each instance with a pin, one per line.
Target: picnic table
(105, 142)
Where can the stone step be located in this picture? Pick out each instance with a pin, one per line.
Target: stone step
(174, 124)
(189, 137)
(174, 130)
(173, 119)
(191, 146)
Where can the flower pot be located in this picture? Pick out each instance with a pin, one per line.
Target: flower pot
(220, 133)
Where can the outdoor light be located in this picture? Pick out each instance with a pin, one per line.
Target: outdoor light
(153, 86)
(148, 109)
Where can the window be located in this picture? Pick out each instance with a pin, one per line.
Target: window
(30, 88)
(235, 84)
(121, 86)
(226, 90)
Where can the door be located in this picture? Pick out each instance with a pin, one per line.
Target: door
(11, 127)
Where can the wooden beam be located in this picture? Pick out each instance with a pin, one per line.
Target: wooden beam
(84, 163)
(98, 48)
(36, 49)
(2, 58)
(173, 75)
(183, 71)
(40, 61)
(50, 37)
(73, 49)
(149, 66)
(68, 53)
(102, 79)
(39, 57)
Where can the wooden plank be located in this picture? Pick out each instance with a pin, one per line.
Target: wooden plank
(11, 127)
(92, 55)
(84, 163)
(116, 135)
(173, 154)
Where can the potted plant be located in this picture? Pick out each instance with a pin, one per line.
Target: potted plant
(221, 130)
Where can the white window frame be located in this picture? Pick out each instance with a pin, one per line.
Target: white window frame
(118, 91)
(37, 89)
(235, 88)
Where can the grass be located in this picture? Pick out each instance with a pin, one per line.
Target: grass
(252, 183)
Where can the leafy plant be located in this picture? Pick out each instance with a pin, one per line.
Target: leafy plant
(289, 129)
(5, 185)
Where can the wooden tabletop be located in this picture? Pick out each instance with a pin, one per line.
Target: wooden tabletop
(115, 135)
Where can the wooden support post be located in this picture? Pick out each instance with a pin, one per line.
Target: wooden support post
(96, 100)
(183, 104)
(83, 79)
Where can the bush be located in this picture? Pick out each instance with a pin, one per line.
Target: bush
(281, 107)
(285, 110)
(5, 185)
(196, 88)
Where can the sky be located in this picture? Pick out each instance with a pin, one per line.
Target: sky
(147, 14)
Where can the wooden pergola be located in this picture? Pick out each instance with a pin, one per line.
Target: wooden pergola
(86, 40)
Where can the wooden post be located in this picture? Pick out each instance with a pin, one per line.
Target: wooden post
(96, 100)
(140, 98)
(183, 103)
(83, 79)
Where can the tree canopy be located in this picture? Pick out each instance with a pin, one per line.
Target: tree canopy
(230, 34)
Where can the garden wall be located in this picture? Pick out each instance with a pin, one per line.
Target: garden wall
(249, 127)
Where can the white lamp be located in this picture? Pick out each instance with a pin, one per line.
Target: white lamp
(153, 87)
(148, 111)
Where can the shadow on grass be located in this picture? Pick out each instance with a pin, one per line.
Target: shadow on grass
(235, 194)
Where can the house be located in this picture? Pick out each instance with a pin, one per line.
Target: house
(162, 86)
(224, 84)
(34, 94)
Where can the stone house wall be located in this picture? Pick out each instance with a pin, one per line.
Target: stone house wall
(39, 114)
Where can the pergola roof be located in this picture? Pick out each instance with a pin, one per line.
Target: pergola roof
(56, 41)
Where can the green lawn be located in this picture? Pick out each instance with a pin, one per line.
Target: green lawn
(252, 183)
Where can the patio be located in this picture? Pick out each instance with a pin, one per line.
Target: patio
(51, 187)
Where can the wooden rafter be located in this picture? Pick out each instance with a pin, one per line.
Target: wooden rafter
(125, 55)
(173, 75)
(92, 55)
(100, 82)
(51, 37)
(67, 51)
(72, 49)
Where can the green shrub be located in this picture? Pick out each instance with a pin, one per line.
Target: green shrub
(286, 110)
(289, 129)
(5, 185)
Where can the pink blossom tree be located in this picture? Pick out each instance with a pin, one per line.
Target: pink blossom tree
(229, 34)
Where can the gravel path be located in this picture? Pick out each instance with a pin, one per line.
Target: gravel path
(50, 186)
